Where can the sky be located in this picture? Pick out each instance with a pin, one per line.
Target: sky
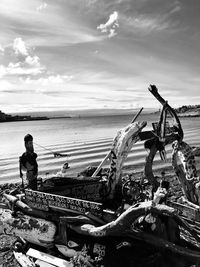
(98, 54)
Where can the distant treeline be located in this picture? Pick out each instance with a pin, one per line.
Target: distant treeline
(8, 118)
(185, 108)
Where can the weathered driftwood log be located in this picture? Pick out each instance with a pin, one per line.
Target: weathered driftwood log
(163, 245)
(109, 153)
(14, 201)
(148, 169)
(126, 226)
(34, 230)
(124, 221)
(121, 146)
(183, 162)
(153, 89)
(161, 137)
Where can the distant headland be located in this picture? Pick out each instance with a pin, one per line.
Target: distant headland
(187, 111)
(8, 118)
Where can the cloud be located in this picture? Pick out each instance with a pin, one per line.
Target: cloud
(154, 18)
(19, 47)
(52, 79)
(1, 49)
(24, 63)
(144, 24)
(22, 68)
(2, 71)
(110, 26)
(33, 61)
(17, 69)
(42, 6)
(6, 86)
(176, 7)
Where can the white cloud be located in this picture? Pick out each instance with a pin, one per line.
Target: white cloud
(146, 24)
(33, 61)
(5, 86)
(111, 25)
(22, 69)
(2, 71)
(42, 6)
(1, 49)
(112, 33)
(24, 63)
(176, 7)
(52, 79)
(20, 47)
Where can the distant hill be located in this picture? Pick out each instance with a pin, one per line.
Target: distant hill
(8, 118)
(188, 111)
(86, 112)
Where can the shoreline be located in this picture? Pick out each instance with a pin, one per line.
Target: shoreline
(31, 119)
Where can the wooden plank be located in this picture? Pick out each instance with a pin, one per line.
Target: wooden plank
(83, 189)
(43, 264)
(48, 258)
(44, 201)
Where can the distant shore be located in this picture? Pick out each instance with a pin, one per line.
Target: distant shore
(25, 119)
(188, 115)
(189, 111)
(9, 118)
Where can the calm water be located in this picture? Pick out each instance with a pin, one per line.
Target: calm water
(58, 131)
(63, 134)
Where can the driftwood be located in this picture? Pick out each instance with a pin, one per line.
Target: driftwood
(173, 114)
(108, 155)
(23, 260)
(43, 264)
(15, 201)
(165, 245)
(183, 162)
(121, 146)
(160, 137)
(34, 230)
(126, 226)
(124, 221)
(48, 258)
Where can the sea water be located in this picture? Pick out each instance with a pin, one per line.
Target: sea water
(58, 131)
(87, 138)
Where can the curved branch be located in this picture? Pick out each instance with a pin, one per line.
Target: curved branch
(153, 89)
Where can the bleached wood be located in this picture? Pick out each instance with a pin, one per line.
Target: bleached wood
(48, 258)
(23, 259)
(44, 264)
(34, 230)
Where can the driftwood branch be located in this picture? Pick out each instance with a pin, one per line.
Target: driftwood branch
(153, 89)
(161, 139)
(183, 162)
